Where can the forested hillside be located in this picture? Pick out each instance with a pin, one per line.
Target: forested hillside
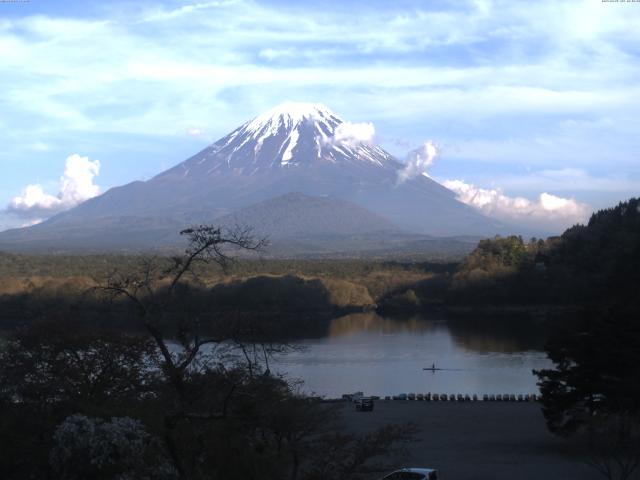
(588, 263)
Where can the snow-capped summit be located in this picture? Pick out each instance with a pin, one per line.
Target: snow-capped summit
(292, 114)
(292, 134)
(293, 118)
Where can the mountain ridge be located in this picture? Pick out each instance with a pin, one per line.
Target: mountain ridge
(296, 215)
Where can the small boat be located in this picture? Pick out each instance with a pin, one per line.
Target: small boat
(432, 368)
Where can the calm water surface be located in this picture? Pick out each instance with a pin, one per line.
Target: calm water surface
(384, 356)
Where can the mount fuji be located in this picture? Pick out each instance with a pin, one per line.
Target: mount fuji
(297, 148)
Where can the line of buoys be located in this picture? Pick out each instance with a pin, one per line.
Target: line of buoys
(443, 397)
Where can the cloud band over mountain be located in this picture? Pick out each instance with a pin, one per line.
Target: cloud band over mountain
(547, 211)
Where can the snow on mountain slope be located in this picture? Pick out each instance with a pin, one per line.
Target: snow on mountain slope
(287, 136)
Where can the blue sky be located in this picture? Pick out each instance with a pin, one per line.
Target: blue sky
(520, 100)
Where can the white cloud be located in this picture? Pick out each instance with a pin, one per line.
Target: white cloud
(32, 222)
(548, 211)
(418, 161)
(33, 199)
(39, 146)
(76, 186)
(77, 182)
(196, 132)
(275, 54)
(186, 10)
(353, 134)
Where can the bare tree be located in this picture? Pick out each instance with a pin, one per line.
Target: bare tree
(152, 290)
(144, 288)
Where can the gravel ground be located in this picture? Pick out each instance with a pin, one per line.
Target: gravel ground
(479, 440)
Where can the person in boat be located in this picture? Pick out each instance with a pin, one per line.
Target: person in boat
(433, 366)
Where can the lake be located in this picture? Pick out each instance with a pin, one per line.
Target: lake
(386, 356)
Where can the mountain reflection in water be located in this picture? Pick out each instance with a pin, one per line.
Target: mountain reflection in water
(385, 356)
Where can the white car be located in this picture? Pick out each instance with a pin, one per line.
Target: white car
(413, 474)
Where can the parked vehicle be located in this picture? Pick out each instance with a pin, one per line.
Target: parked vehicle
(352, 397)
(364, 404)
(413, 474)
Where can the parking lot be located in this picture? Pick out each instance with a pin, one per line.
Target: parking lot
(479, 440)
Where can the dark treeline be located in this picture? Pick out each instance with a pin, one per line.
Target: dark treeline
(287, 290)
(99, 266)
(285, 306)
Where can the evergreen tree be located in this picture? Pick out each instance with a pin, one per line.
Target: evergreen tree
(596, 359)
